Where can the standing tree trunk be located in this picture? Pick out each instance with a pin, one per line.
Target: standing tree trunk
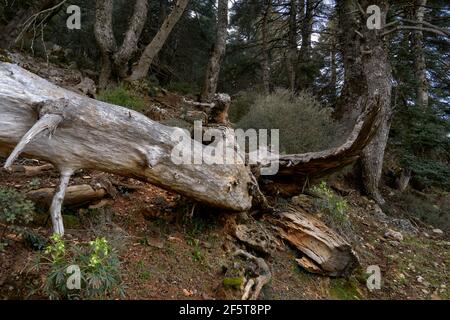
(151, 51)
(419, 56)
(106, 41)
(293, 52)
(213, 69)
(115, 60)
(265, 63)
(130, 42)
(306, 16)
(368, 75)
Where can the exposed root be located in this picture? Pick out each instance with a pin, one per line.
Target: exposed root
(55, 208)
(254, 286)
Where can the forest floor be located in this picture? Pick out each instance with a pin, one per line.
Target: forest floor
(171, 248)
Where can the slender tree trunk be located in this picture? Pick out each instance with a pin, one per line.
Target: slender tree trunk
(265, 63)
(419, 56)
(162, 11)
(293, 52)
(106, 41)
(333, 69)
(130, 42)
(152, 50)
(213, 69)
(306, 14)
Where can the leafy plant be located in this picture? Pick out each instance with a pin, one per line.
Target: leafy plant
(98, 263)
(334, 207)
(122, 96)
(14, 210)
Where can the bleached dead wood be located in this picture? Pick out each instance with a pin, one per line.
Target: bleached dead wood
(89, 134)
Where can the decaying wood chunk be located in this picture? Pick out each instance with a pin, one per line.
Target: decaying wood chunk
(325, 249)
(258, 239)
(75, 195)
(32, 171)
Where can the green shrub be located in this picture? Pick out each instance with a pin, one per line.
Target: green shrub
(420, 138)
(99, 266)
(122, 96)
(334, 207)
(184, 88)
(304, 125)
(14, 210)
(241, 105)
(431, 208)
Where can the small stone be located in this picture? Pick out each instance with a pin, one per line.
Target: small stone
(394, 235)
(420, 279)
(438, 231)
(379, 214)
(426, 235)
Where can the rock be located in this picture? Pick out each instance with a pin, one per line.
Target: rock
(438, 231)
(87, 87)
(420, 279)
(404, 225)
(379, 214)
(256, 237)
(394, 235)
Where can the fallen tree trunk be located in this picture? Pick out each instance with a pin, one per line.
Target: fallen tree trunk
(75, 195)
(83, 133)
(325, 251)
(73, 132)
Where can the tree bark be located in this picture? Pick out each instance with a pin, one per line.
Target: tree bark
(140, 71)
(419, 56)
(213, 68)
(114, 59)
(304, 57)
(368, 76)
(130, 42)
(265, 63)
(292, 51)
(104, 34)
